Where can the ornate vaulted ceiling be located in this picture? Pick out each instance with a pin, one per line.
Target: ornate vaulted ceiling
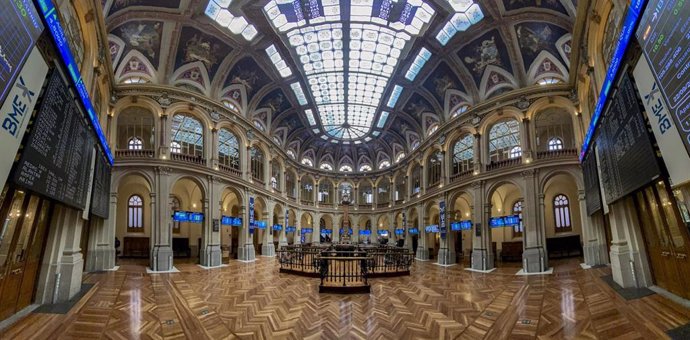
(244, 58)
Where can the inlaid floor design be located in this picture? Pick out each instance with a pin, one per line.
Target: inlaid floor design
(254, 301)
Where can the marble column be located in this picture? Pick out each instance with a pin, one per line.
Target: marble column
(101, 254)
(246, 245)
(534, 256)
(593, 235)
(161, 258)
(422, 249)
(482, 250)
(211, 254)
(268, 248)
(316, 226)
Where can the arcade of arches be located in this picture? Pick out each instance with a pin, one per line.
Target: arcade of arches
(240, 129)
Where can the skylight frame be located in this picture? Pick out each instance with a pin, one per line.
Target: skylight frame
(277, 60)
(348, 62)
(219, 12)
(419, 61)
(467, 13)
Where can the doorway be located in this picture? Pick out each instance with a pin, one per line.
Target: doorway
(22, 237)
(666, 238)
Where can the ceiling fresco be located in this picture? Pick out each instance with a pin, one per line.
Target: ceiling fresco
(329, 92)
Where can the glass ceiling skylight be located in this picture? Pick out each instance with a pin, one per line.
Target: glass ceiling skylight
(466, 14)
(299, 93)
(278, 61)
(348, 50)
(395, 95)
(419, 61)
(218, 11)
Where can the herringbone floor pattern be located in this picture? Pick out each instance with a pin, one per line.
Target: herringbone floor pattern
(254, 301)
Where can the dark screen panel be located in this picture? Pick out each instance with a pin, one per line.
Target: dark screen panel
(100, 195)
(663, 34)
(56, 161)
(591, 175)
(20, 27)
(626, 155)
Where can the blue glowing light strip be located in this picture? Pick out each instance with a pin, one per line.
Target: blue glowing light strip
(629, 25)
(50, 16)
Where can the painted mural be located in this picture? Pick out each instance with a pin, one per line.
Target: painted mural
(143, 36)
(122, 4)
(489, 49)
(249, 74)
(276, 101)
(441, 80)
(535, 37)
(416, 105)
(195, 45)
(554, 5)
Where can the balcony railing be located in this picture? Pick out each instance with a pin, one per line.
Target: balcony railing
(565, 153)
(258, 180)
(326, 204)
(365, 205)
(461, 175)
(504, 164)
(382, 204)
(188, 158)
(230, 170)
(306, 202)
(134, 153)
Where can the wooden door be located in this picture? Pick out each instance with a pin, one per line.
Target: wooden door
(12, 213)
(33, 256)
(678, 234)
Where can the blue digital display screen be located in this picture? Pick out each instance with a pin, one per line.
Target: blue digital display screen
(627, 30)
(431, 228)
(512, 220)
(326, 232)
(195, 217)
(52, 20)
(349, 231)
(365, 232)
(382, 232)
(180, 216)
(307, 230)
(399, 231)
(261, 224)
(414, 231)
(277, 227)
(290, 229)
(188, 216)
(231, 221)
(497, 222)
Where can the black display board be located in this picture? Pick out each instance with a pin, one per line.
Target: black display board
(20, 27)
(592, 189)
(663, 34)
(56, 161)
(100, 192)
(626, 155)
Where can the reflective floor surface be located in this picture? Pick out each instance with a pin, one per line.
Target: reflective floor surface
(254, 301)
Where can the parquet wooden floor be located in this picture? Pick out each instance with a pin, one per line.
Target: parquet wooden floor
(254, 301)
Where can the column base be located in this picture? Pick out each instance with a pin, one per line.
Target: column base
(595, 253)
(422, 254)
(161, 258)
(482, 259)
(621, 266)
(268, 250)
(211, 256)
(282, 243)
(71, 272)
(100, 259)
(446, 256)
(535, 260)
(246, 253)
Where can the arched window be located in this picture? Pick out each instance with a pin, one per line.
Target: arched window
(460, 110)
(307, 162)
(561, 211)
(135, 214)
(259, 125)
(175, 147)
(307, 189)
(325, 192)
(399, 157)
(290, 185)
(415, 144)
(176, 225)
(135, 80)
(135, 123)
(384, 164)
(503, 138)
(257, 164)
(326, 166)
(291, 154)
(365, 168)
(228, 149)
(275, 175)
(548, 81)
(135, 143)
(515, 152)
(383, 191)
(416, 180)
(345, 168)
(434, 164)
(188, 133)
(432, 129)
(463, 155)
(367, 196)
(555, 144)
(517, 210)
(400, 189)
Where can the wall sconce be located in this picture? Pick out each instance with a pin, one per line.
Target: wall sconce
(164, 157)
(193, 205)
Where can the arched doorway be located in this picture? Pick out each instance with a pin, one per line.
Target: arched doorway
(230, 234)
(188, 195)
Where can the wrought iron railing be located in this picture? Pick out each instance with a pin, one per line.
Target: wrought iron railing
(504, 163)
(344, 274)
(188, 158)
(134, 153)
(458, 176)
(557, 154)
(230, 170)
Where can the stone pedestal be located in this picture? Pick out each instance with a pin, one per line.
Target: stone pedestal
(446, 256)
(534, 260)
(422, 253)
(161, 258)
(621, 267)
(595, 253)
(482, 259)
(247, 253)
(211, 256)
(101, 258)
(268, 249)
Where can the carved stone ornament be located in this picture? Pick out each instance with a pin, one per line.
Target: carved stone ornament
(476, 120)
(523, 103)
(215, 116)
(250, 135)
(164, 100)
(442, 140)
